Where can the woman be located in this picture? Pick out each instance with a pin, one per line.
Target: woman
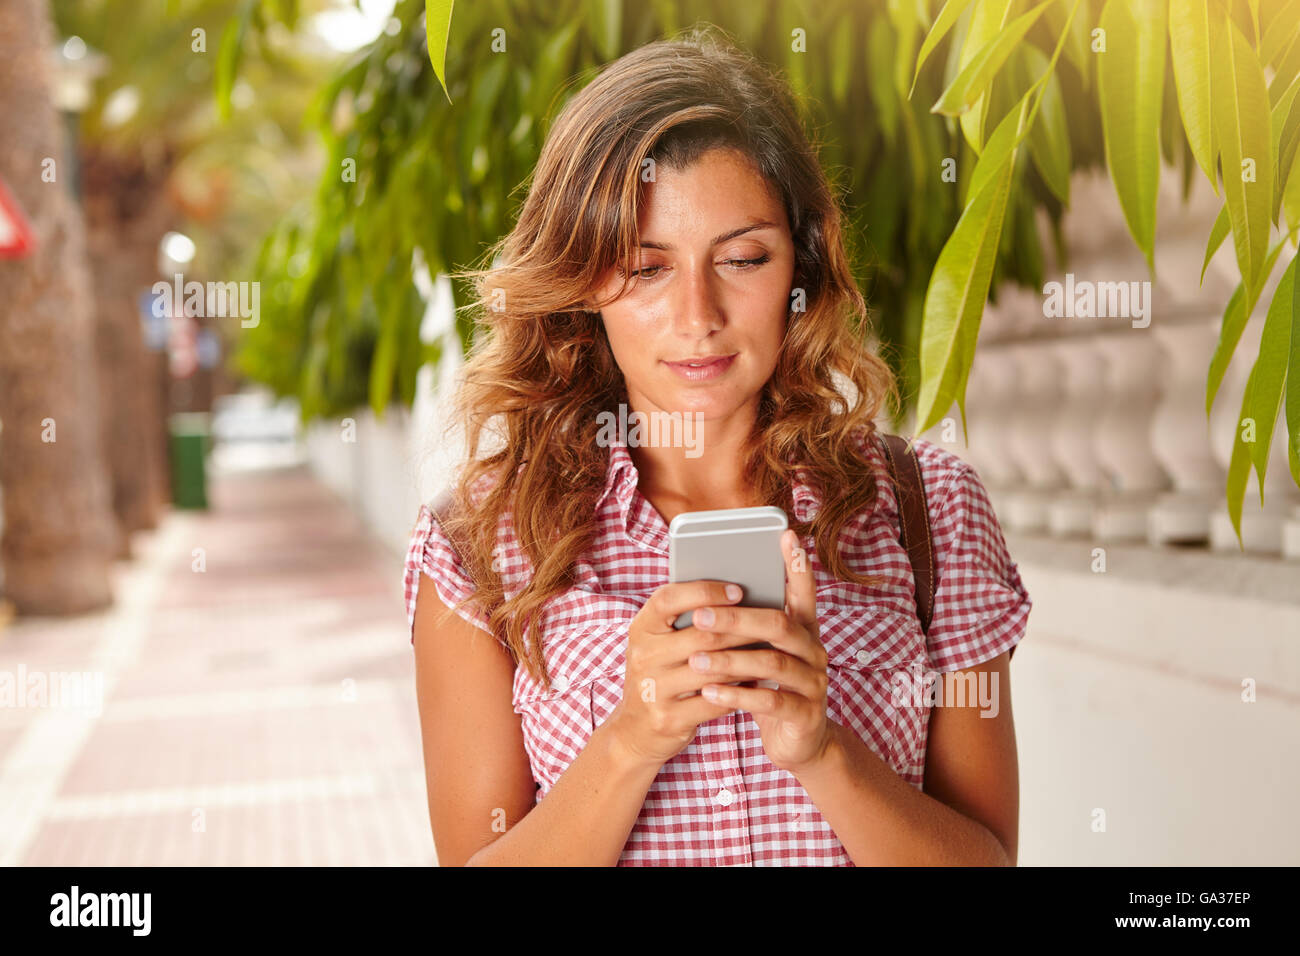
(680, 252)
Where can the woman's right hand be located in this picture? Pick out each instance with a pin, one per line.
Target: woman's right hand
(662, 705)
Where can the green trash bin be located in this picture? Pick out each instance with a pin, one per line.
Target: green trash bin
(191, 439)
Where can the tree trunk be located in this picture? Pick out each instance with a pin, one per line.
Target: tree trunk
(58, 529)
(127, 212)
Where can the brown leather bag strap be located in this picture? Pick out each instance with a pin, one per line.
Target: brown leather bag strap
(913, 520)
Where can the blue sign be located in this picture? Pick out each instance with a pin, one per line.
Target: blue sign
(153, 328)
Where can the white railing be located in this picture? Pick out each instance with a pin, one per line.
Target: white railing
(1096, 427)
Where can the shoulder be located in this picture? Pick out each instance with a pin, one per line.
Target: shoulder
(955, 496)
(943, 472)
(963, 523)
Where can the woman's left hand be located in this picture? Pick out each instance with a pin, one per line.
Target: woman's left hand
(792, 716)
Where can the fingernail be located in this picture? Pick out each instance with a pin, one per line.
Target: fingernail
(734, 592)
(704, 616)
(710, 692)
(700, 661)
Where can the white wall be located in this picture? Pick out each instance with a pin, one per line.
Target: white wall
(1127, 694)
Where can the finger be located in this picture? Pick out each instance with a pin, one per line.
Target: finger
(787, 671)
(672, 650)
(800, 587)
(700, 710)
(763, 701)
(667, 602)
(756, 623)
(684, 682)
(764, 624)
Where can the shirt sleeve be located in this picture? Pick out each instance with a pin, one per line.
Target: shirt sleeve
(431, 553)
(980, 605)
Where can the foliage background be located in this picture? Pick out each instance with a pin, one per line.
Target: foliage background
(443, 176)
(1017, 94)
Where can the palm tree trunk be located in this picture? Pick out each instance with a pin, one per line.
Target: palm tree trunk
(126, 210)
(58, 530)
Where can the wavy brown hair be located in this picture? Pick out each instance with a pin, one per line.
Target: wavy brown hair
(541, 371)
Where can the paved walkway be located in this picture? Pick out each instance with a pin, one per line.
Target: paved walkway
(248, 700)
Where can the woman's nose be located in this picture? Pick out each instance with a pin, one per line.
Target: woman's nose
(697, 311)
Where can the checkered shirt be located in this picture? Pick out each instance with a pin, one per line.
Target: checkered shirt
(720, 801)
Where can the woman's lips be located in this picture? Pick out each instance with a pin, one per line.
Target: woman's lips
(695, 372)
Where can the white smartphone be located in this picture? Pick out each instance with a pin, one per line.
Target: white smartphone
(738, 545)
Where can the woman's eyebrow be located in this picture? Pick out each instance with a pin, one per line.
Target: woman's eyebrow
(761, 224)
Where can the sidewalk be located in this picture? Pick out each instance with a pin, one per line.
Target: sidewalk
(259, 711)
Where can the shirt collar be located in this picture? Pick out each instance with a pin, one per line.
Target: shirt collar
(621, 475)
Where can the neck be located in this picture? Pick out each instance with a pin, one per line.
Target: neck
(705, 475)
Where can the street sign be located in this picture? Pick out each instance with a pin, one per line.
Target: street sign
(154, 327)
(15, 235)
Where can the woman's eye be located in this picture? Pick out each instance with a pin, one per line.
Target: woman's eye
(747, 263)
(650, 272)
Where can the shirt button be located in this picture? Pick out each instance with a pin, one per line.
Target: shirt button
(561, 683)
(725, 797)
(863, 656)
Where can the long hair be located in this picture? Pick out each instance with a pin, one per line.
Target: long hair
(542, 371)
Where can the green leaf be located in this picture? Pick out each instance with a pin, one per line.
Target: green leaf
(1131, 76)
(973, 81)
(1239, 465)
(1076, 40)
(841, 65)
(230, 55)
(986, 20)
(488, 83)
(1241, 110)
(1238, 312)
(666, 14)
(959, 285)
(907, 24)
(1281, 31)
(555, 62)
(1270, 371)
(1291, 196)
(437, 29)
(950, 14)
(606, 17)
(1010, 133)
(1286, 68)
(1292, 400)
(1049, 137)
(1218, 233)
(1285, 126)
(383, 365)
(1189, 41)
(880, 49)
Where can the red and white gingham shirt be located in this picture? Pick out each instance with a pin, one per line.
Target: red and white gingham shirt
(721, 801)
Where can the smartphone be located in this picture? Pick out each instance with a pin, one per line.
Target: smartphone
(738, 545)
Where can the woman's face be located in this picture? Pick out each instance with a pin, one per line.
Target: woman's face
(700, 329)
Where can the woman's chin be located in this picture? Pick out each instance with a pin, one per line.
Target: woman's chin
(708, 405)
